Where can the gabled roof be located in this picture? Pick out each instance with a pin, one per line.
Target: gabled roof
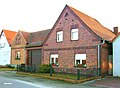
(94, 25)
(25, 35)
(37, 38)
(9, 35)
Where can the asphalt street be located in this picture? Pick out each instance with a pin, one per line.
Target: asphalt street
(6, 82)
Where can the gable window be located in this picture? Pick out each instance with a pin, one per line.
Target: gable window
(54, 59)
(17, 57)
(60, 36)
(74, 34)
(80, 60)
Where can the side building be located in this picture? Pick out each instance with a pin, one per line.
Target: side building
(6, 38)
(116, 54)
(34, 47)
(27, 48)
(78, 40)
(18, 55)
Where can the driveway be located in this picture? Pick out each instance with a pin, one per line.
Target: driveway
(110, 82)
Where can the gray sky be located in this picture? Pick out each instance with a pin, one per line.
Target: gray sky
(36, 15)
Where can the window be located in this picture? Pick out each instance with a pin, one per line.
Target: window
(80, 60)
(60, 36)
(74, 34)
(54, 59)
(17, 56)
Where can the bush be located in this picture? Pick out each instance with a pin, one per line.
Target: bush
(45, 68)
(9, 66)
(21, 67)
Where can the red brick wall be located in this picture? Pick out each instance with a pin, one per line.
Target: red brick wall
(66, 58)
(87, 43)
(104, 58)
(85, 36)
(22, 56)
(18, 47)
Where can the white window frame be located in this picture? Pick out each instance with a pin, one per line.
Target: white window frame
(74, 34)
(53, 56)
(59, 36)
(80, 57)
(18, 55)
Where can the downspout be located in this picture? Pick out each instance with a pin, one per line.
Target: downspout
(99, 57)
(24, 56)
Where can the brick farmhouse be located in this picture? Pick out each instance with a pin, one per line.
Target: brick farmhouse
(78, 40)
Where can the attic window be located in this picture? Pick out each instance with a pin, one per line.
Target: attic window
(66, 14)
(59, 36)
(74, 34)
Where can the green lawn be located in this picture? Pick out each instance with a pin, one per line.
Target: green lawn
(63, 77)
(7, 69)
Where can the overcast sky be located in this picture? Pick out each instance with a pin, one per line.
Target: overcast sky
(36, 15)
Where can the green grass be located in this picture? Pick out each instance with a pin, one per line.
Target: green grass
(58, 75)
(62, 77)
(7, 69)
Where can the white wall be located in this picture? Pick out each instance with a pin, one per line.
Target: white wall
(116, 57)
(5, 50)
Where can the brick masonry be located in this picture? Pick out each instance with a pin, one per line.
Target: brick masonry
(22, 56)
(66, 50)
(18, 47)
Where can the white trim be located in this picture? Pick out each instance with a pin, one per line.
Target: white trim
(60, 36)
(74, 34)
(53, 56)
(80, 57)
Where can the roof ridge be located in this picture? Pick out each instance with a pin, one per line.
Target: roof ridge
(8, 30)
(41, 31)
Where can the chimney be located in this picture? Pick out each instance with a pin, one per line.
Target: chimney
(115, 29)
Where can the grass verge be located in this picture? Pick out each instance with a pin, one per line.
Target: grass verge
(7, 69)
(47, 76)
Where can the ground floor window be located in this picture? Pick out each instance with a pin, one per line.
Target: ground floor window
(17, 53)
(54, 59)
(80, 60)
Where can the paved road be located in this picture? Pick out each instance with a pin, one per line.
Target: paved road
(11, 80)
(107, 82)
(6, 82)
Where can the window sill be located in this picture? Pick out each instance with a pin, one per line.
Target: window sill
(74, 40)
(55, 65)
(59, 41)
(17, 58)
(80, 66)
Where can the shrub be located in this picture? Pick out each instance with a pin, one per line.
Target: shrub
(21, 67)
(45, 68)
(9, 66)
